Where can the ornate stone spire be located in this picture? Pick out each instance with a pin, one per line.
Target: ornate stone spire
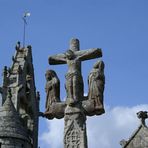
(19, 111)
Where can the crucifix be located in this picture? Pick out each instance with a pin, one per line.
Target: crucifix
(76, 106)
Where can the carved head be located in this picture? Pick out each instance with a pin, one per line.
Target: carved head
(50, 74)
(99, 65)
(70, 54)
(74, 44)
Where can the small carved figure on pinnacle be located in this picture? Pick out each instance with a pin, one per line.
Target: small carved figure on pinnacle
(96, 82)
(18, 45)
(142, 115)
(52, 89)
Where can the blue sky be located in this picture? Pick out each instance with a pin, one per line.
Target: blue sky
(118, 27)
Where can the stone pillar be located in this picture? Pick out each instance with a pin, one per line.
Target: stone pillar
(75, 128)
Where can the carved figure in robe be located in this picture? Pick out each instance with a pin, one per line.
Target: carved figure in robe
(52, 88)
(96, 82)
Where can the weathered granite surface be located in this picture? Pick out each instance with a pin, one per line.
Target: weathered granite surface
(76, 106)
(139, 138)
(20, 105)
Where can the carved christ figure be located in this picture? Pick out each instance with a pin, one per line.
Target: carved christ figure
(74, 81)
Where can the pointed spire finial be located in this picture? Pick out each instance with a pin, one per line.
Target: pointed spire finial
(38, 95)
(18, 45)
(9, 70)
(5, 72)
(13, 59)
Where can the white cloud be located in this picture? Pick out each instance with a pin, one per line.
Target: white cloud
(53, 138)
(104, 131)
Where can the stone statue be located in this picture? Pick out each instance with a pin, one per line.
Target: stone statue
(96, 82)
(74, 81)
(52, 89)
(77, 106)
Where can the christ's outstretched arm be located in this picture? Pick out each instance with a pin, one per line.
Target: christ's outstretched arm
(57, 59)
(89, 54)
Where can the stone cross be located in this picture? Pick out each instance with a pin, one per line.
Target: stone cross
(77, 106)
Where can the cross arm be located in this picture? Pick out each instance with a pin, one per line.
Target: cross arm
(89, 54)
(57, 59)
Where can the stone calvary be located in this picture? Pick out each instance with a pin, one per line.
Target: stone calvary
(76, 106)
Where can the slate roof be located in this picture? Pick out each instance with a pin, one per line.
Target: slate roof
(10, 123)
